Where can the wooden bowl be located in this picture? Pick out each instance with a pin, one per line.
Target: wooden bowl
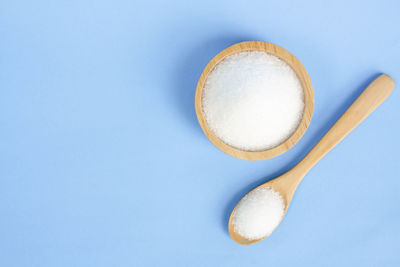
(308, 99)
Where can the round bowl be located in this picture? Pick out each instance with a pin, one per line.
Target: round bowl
(303, 76)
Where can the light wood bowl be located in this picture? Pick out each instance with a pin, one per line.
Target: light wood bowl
(308, 99)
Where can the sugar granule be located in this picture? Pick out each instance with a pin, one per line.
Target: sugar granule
(253, 101)
(258, 213)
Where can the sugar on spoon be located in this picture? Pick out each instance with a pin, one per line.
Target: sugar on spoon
(287, 183)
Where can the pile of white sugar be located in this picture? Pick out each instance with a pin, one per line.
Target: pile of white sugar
(253, 101)
(258, 213)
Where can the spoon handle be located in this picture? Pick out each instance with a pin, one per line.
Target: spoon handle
(368, 101)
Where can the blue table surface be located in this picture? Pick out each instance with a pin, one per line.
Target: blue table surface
(103, 163)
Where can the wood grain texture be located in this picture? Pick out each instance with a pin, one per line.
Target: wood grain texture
(364, 105)
(308, 99)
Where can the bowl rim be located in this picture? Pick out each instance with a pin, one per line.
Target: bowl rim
(301, 73)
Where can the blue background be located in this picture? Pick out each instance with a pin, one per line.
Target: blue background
(103, 162)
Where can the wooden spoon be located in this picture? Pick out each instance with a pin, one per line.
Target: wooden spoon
(287, 183)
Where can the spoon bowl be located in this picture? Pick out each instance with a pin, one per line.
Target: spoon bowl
(286, 184)
(306, 84)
